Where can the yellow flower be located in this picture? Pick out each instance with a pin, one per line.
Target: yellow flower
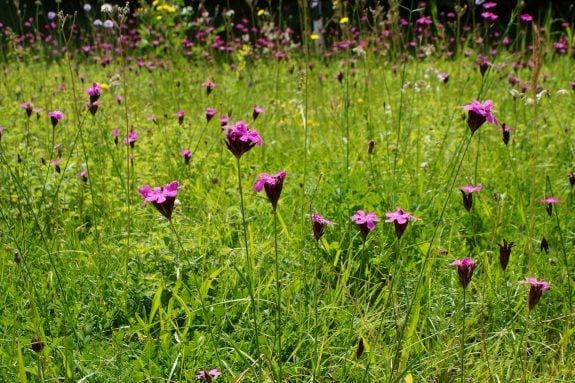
(104, 86)
(344, 20)
(166, 7)
(155, 2)
(158, 17)
(314, 36)
(261, 12)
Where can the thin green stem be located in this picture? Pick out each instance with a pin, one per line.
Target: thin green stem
(463, 338)
(278, 329)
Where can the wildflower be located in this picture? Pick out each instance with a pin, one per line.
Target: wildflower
(94, 92)
(162, 197)
(93, 106)
(28, 107)
(187, 155)
(344, 20)
(505, 130)
(484, 64)
(115, 133)
(365, 222)
(319, 224)
(549, 201)
(51, 15)
(400, 220)
(526, 18)
(489, 16)
(257, 111)
(467, 193)
(180, 116)
(544, 246)
(83, 175)
(240, 139)
(210, 113)
(108, 24)
(224, 119)
(536, 289)
(131, 139)
(1, 132)
(504, 253)
(119, 99)
(571, 176)
(87, 7)
(443, 77)
(208, 376)
(56, 163)
(272, 184)
(55, 116)
(478, 113)
(465, 268)
(339, 76)
(209, 86)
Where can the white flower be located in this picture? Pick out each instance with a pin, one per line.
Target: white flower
(87, 7)
(106, 8)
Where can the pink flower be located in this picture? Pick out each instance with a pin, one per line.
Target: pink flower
(526, 18)
(224, 119)
(549, 201)
(489, 5)
(186, 154)
(240, 139)
(210, 113)
(400, 220)
(424, 21)
(180, 116)
(207, 376)
(28, 107)
(365, 222)
(536, 289)
(256, 112)
(162, 197)
(272, 184)
(94, 92)
(478, 113)
(93, 106)
(465, 268)
(319, 224)
(489, 16)
(467, 193)
(55, 116)
(209, 86)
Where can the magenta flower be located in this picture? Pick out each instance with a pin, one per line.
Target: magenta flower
(465, 268)
(400, 220)
(478, 113)
(119, 99)
(272, 184)
(187, 155)
(489, 5)
(209, 86)
(319, 224)
(83, 175)
(180, 116)
(526, 18)
(489, 16)
(208, 376)
(484, 64)
(571, 176)
(115, 133)
(132, 138)
(505, 253)
(28, 107)
(240, 139)
(257, 111)
(506, 135)
(365, 222)
(224, 119)
(467, 193)
(94, 92)
(93, 106)
(162, 197)
(55, 116)
(210, 113)
(536, 289)
(549, 201)
(443, 77)
(56, 163)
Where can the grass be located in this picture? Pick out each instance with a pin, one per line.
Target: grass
(118, 293)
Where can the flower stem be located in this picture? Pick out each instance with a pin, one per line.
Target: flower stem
(249, 278)
(463, 338)
(278, 329)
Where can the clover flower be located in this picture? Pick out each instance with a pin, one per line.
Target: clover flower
(467, 193)
(365, 222)
(400, 220)
(272, 184)
(465, 268)
(478, 113)
(240, 139)
(536, 289)
(162, 197)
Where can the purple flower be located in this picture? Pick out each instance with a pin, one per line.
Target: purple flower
(210, 113)
(209, 86)
(571, 176)
(115, 133)
(55, 116)
(208, 376)
(240, 139)
(400, 220)
(478, 113)
(506, 135)
(489, 5)
(505, 253)
(119, 99)
(83, 175)
(549, 201)
(51, 15)
(180, 116)
(526, 18)
(132, 138)
(424, 21)
(28, 107)
(93, 106)
(162, 197)
(467, 193)
(224, 119)
(536, 289)
(94, 92)
(465, 268)
(319, 224)
(365, 222)
(484, 64)
(256, 112)
(272, 184)
(186, 154)
(108, 24)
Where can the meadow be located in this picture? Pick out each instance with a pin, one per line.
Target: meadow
(395, 208)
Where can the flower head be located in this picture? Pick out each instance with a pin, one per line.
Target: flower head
(272, 184)
(257, 111)
(240, 139)
(28, 107)
(208, 376)
(55, 116)
(400, 220)
(465, 268)
(180, 116)
(162, 197)
(94, 92)
(210, 113)
(93, 106)
(132, 138)
(319, 223)
(506, 135)
(478, 113)
(536, 289)
(467, 193)
(571, 176)
(365, 222)
(209, 86)
(504, 253)
(186, 154)
(549, 201)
